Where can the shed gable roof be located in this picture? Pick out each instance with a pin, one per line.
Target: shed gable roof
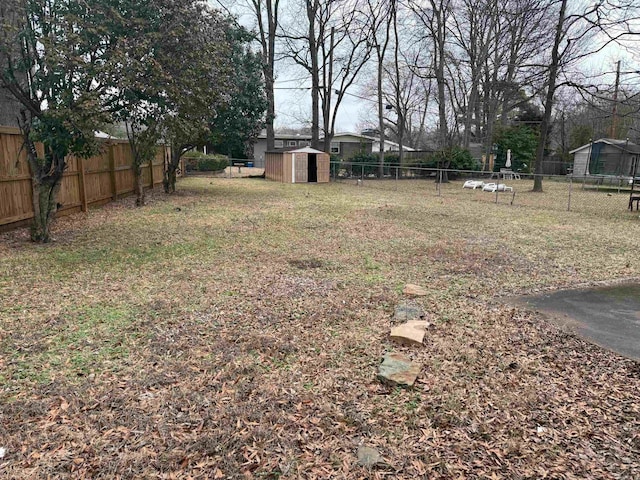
(623, 145)
(306, 150)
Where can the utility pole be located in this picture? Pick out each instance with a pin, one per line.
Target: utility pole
(614, 119)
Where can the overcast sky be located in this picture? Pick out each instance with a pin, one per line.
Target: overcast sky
(293, 96)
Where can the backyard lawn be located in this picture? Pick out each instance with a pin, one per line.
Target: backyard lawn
(234, 330)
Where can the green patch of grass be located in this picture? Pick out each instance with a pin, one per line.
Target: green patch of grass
(79, 342)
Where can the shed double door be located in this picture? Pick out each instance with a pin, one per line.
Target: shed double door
(324, 166)
(301, 168)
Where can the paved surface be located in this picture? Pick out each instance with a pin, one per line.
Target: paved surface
(609, 316)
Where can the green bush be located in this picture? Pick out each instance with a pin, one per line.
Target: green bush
(194, 154)
(454, 158)
(522, 141)
(368, 163)
(199, 162)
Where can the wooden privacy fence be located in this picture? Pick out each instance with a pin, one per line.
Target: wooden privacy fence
(86, 182)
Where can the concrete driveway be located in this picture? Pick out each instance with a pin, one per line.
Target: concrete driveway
(607, 316)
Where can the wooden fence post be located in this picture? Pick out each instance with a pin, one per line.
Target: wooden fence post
(83, 188)
(112, 172)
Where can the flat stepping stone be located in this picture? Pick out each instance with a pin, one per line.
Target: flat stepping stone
(407, 312)
(415, 290)
(409, 333)
(369, 457)
(397, 369)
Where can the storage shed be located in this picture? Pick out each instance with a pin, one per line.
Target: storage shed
(304, 165)
(606, 156)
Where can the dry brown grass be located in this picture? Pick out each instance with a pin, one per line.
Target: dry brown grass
(234, 331)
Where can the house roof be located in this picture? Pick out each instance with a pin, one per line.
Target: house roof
(624, 145)
(286, 136)
(372, 139)
(300, 136)
(352, 134)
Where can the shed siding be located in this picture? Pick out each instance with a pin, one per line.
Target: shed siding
(273, 166)
(278, 167)
(286, 163)
(323, 167)
(580, 162)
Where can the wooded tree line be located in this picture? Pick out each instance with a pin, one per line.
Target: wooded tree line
(453, 72)
(172, 71)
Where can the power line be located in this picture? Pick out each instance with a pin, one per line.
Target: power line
(292, 80)
(360, 97)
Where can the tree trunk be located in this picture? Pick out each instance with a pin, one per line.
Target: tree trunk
(440, 59)
(46, 178)
(45, 205)
(171, 176)
(171, 171)
(398, 93)
(272, 19)
(271, 109)
(381, 109)
(548, 104)
(138, 187)
(327, 71)
(312, 8)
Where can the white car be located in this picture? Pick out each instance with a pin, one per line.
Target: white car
(493, 187)
(473, 184)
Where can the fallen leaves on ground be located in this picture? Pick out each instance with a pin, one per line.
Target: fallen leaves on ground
(235, 330)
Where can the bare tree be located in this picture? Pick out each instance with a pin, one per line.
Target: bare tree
(332, 49)
(380, 25)
(600, 24)
(266, 14)
(472, 33)
(408, 94)
(434, 18)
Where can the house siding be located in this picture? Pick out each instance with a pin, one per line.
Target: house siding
(350, 149)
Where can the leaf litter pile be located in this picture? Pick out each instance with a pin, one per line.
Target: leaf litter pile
(235, 331)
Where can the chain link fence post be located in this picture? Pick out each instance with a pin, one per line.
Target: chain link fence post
(570, 189)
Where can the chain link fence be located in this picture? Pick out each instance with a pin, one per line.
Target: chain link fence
(597, 195)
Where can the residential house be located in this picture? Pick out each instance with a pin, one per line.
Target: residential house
(606, 156)
(347, 144)
(283, 143)
(344, 145)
